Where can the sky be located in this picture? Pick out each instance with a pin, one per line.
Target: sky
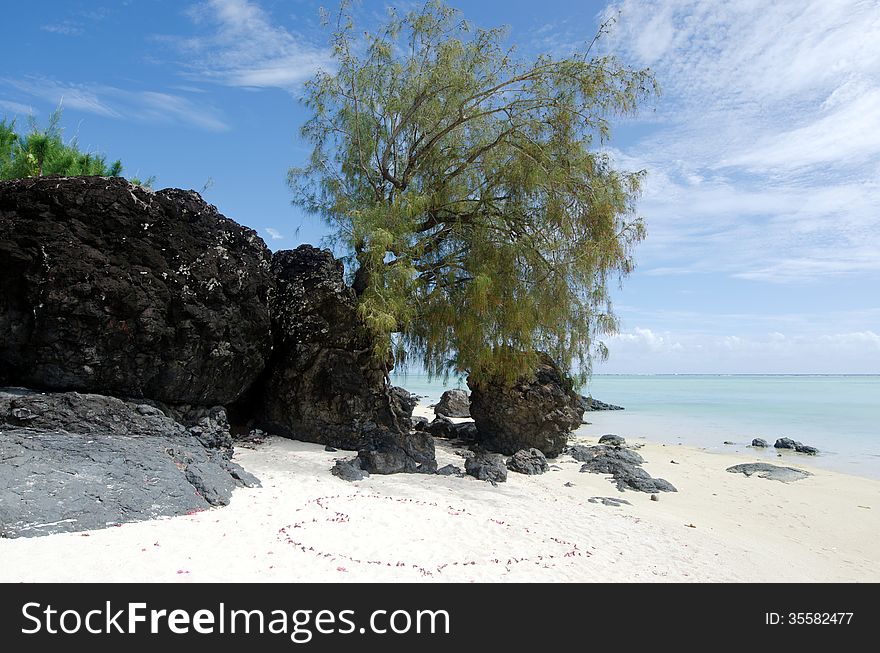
(762, 200)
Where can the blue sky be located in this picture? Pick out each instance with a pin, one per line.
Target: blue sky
(763, 153)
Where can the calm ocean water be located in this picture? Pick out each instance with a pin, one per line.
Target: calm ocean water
(838, 414)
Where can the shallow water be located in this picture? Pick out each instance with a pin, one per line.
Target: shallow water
(840, 415)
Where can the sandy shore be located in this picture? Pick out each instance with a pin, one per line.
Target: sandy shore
(306, 525)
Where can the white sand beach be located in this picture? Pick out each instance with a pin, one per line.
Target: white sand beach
(306, 525)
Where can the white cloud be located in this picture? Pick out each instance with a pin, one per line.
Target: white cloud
(274, 234)
(647, 351)
(67, 28)
(246, 49)
(16, 107)
(113, 102)
(764, 152)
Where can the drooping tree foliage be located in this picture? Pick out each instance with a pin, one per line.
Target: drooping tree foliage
(44, 152)
(471, 191)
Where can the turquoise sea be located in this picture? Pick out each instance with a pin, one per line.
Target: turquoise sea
(838, 414)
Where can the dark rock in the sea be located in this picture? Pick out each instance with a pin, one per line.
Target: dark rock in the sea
(442, 428)
(622, 464)
(389, 452)
(788, 443)
(486, 467)
(327, 447)
(610, 501)
(450, 470)
(454, 403)
(403, 401)
(528, 461)
(466, 431)
(536, 412)
(108, 287)
(772, 472)
(84, 461)
(613, 440)
(758, 442)
(349, 470)
(590, 404)
(729, 442)
(324, 384)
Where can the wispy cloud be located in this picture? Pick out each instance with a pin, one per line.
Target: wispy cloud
(764, 153)
(643, 350)
(16, 107)
(243, 47)
(274, 234)
(67, 28)
(119, 103)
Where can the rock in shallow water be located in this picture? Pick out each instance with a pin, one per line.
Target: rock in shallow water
(759, 443)
(788, 443)
(768, 471)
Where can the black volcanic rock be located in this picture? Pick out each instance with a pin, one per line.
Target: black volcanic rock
(788, 443)
(622, 464)
(112, 288)
(536, 412)
(486, 467)
(71, 462)
(453, 403)
(589, 404)
(388, 452)
(323, 384)
(528, 461)
(759, 443)
(768, 471)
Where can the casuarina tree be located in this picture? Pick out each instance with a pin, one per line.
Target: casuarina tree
(472, 190)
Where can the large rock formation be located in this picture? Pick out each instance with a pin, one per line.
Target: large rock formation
(537, 412)
(324, 384)
(111, 288)
(71, 462)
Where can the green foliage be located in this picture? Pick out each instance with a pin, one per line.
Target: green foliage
(470, 188)
(43, 152)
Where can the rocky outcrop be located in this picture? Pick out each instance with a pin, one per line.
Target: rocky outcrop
(788, 443)
(624, 465)
(771, 472)
(759, 443)
(538, 412)
(453, 403)
(323, 384)
(486, 467)
(612, 440)
(528, 461)
(589, 404)
(71, 462)
(111, 288)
